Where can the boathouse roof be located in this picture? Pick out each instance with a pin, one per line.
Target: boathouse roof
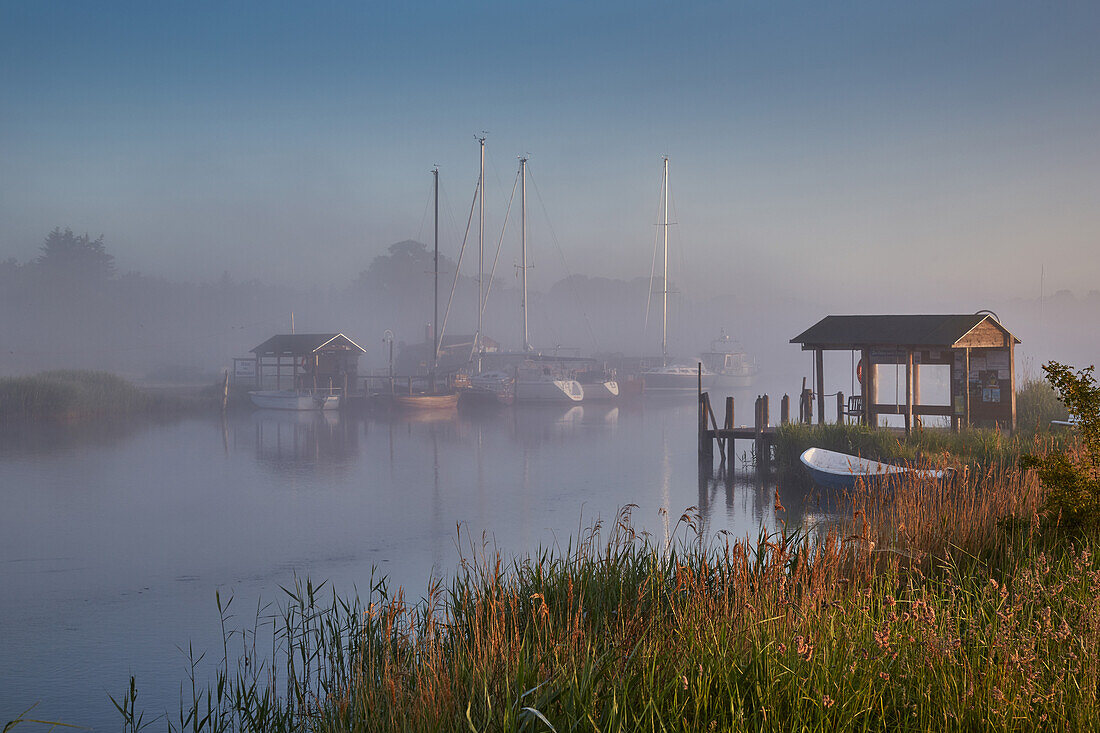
(303, 344)
(943, 331)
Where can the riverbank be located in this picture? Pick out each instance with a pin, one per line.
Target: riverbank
(946, 608)
(73, 395)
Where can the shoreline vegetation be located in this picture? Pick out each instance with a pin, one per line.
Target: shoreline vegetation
(944, 608)
(71, 395)
(971, 604)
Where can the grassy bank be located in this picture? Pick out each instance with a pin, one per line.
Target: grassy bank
(974, 448)
(942, 608)
(75, 394)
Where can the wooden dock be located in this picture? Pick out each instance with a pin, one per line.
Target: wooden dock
(762, 433)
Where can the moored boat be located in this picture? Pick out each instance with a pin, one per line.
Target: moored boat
(731, 365)
(677, 378)
(835, 470)
(286, 399)
(426, 401)
(540, 382)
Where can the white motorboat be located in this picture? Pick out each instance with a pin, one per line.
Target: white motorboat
(731, 365)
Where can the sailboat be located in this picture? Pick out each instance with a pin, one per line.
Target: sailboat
(669, 377)
(538, 379)
(431, 400)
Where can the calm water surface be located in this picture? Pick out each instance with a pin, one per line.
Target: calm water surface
(115, 537)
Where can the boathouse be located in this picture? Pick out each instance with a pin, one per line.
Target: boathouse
(303, 361)
(979, 350)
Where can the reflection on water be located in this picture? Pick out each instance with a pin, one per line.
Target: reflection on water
(115, 537)
(291, 439)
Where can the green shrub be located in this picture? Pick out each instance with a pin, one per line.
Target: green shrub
(1037, 403)
(1072, 478)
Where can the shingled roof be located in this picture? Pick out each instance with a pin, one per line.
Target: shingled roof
(943, 331)
(302, 344)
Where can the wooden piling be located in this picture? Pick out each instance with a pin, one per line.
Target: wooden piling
(840, 408)
(785, 409)
(225, 391)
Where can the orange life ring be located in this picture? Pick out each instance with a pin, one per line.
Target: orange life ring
(859, 371)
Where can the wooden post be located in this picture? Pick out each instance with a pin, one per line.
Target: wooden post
(865, 383)
(785, 409)
(225, 391)
(729, 426)
(803, 410)
(966, 386)
(839, 408)
(908, 391)
(1012, 377)
(819, 356)
(758, 432)
(916, 395)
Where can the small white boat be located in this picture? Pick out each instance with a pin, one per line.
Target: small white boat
(288, 399)
(834, 470)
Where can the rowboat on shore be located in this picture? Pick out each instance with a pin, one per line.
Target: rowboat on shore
(835, 470)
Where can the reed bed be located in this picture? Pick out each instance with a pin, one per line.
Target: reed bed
(974, 448)
(69, 395)
(930, 607)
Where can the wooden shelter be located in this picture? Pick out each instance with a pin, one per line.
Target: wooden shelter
(307, 361)
(978, 349)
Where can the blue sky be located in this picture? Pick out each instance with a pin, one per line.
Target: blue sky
(293, 142)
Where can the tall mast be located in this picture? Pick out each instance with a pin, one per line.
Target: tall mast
(523, 244)
(435, 287)
(480, 249)
(664, 308)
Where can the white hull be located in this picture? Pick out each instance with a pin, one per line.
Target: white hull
(559, 391)
(601, 391)
(290, 400)
(677, 379)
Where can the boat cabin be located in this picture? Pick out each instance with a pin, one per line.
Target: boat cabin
(977, 348)
(303, 361)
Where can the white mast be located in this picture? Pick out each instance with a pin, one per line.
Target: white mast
(523, 244)
(480, 250)
(435, 287)
(664, 308)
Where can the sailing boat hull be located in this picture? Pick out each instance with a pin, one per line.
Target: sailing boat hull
(549, 391)
(677, 379)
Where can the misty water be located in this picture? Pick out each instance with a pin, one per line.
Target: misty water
(115, 537)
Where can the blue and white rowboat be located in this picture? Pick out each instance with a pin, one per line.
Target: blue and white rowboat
(834, 470)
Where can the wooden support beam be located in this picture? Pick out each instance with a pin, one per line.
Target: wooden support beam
(908, 391)
(916, 394)
(1012, 378)
(865, 384)
(819, 357)
(840, 408)
(966, 386)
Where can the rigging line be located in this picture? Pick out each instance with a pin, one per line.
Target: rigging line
(500, 242)
(653, 264)
(458, 266)
(572, 284)
(424, 216)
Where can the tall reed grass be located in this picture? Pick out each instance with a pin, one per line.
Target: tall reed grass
(76, 394)
(930, 607)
